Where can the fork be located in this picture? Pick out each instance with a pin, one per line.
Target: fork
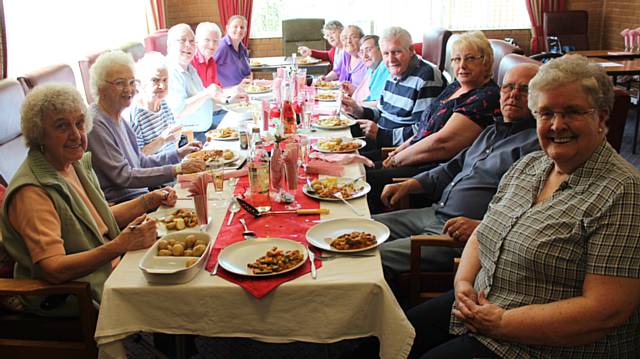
(338, 195)
(330, 256)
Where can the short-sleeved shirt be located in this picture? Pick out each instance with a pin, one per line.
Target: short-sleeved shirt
(207, 69)
(148, 125)
(480, 105)
(539, 253)
(183, 84)
(345, 73)
(233, 66)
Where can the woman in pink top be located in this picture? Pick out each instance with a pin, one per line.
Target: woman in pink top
(331, 32)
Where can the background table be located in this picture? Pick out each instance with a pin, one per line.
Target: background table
(609, 54)
(270, 64)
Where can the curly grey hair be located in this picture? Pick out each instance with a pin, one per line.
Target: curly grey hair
(332, 25)
(103, 63)
(51, 98)
(396, 32)
(593, 80)
(149, 64)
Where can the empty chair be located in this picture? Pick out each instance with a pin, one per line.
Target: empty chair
(434, 46)
(302, 32)
(54, 73)
(135, 49)
(618, 118)
(12, 147)
(156, 42)
(500, 49)
(509, 61)
(85, 64)
(570, 27)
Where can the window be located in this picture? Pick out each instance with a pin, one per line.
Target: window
(375, 15)
(41, 33)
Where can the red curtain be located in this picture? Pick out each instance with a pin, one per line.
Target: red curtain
(156, 18)
(228, 8)
(536, 9)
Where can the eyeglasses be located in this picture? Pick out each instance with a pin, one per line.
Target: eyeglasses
(570, 114)
(508, 88)
(467, 59)
(157, 81)
(120, 84)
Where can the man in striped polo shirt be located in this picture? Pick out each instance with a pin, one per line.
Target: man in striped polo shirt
(412, 85)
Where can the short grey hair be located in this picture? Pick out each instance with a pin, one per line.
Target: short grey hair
(205, 27)
(333, 25)
(375, 38)
(175, 32)
(149, 64)
(357, 29)
(478, 41)
(103, 63)
(396, 32)
(237, 17)
(51, 98)
(592, 78)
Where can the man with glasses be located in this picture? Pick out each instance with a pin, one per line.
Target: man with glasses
(193, 105)
(370, 89)
(462, 188)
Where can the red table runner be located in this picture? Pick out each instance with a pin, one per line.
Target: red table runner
(289, 226)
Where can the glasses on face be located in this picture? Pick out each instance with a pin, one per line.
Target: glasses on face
(570, 114)
(508, 88)
(468, 59)
(120, 84)
(157, 81)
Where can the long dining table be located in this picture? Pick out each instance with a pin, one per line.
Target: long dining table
(349, 299)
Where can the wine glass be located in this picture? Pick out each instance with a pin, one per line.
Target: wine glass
(303, 158)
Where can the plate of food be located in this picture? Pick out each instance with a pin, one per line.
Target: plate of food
(325, 188)
(339, 145)
(348, 235)
(254, 89)
(307, 60)
(171, 219)
(176, 258)
(254, 62)
(261, 257)
(326, 96)
(239, 107)
(222, 134)
(333, 123)
(228, 156)
(327, 85)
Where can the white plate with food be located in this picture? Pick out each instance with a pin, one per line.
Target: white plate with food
(176, 258)
(239, 107)
(170, 219)
(333, 123)
(222, 134)
(348, 235)
(228, 156)
(328, 96)
(247, 257)
(307, 60)
(339, 145)
(325, 188)
(327, 85)
(254, 89)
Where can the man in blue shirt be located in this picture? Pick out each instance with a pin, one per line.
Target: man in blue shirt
(370, 89)
(462, 188)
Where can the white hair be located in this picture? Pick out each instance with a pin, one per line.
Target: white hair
(205, 27)
(103, 63)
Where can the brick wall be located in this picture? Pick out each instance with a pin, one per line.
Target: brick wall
(192, 11)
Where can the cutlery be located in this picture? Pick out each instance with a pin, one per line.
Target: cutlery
(312, 257)
(247, 234)
(215, 269)
(327, 256)
(304, 211)
(338, 195)
(234, 207)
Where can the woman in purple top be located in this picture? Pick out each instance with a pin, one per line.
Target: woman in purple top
(232, 56)
(350, 67)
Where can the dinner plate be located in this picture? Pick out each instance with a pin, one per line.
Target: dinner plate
(322, 234)
(234, 258)
(210, 136)
(257, 92)
(308, 60)
(362, 192)
(235, 157)
(360, 143)
(239, 107)
(166, 211)
(326, 99)
(331, 85)
(347, 125)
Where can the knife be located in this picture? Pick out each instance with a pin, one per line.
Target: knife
(312, 258)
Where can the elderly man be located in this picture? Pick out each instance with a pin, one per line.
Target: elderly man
(412, 85)
(370, 89)
(462, 187)
(207, 40)
(193, 105)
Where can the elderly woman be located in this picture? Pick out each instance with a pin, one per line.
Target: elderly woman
(331, 32)
(56, 222)
(150, 117)
(124, 172)
(553, 270)
(453, 120)
(232, 56)
(350, 67)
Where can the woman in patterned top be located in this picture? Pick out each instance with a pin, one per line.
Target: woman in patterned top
(553, 270)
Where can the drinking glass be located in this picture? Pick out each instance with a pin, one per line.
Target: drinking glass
(216, 168)
(303, 158)
(291, 184)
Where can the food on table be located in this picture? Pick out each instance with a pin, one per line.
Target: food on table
(211, 155)
(327, 85)
(333, 122)
(338, 144)
(306, 60)
(176, 248)
(222, 133)
(254, 62)
(327, 187)
(353, 240)
(276, 260)
(329, 96)
(252, 88)
(180, 219)
(190, 262)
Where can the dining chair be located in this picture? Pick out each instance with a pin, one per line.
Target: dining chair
(85, 64)
(156, 42)
(570, 27)
(12, 146)
(299, 32)
(54, 73)
(500, 49)
(434, 46)
(135, 49)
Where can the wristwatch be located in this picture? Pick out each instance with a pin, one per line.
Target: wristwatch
(178, 169)
(227, 100)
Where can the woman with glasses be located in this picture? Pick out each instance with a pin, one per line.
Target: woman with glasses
(553, 270)
(452, 121)
(350, 67)
(331, 32)
(123, 170)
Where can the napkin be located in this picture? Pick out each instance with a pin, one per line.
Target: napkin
(320, 167)
(290, 159)
(197, 186)
(343, 158)
(276, 170)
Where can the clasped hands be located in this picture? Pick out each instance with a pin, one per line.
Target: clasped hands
(477, 313)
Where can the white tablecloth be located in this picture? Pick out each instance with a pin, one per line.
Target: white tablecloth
(350, 299)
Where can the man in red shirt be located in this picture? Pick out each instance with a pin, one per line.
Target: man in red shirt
(207, 38)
